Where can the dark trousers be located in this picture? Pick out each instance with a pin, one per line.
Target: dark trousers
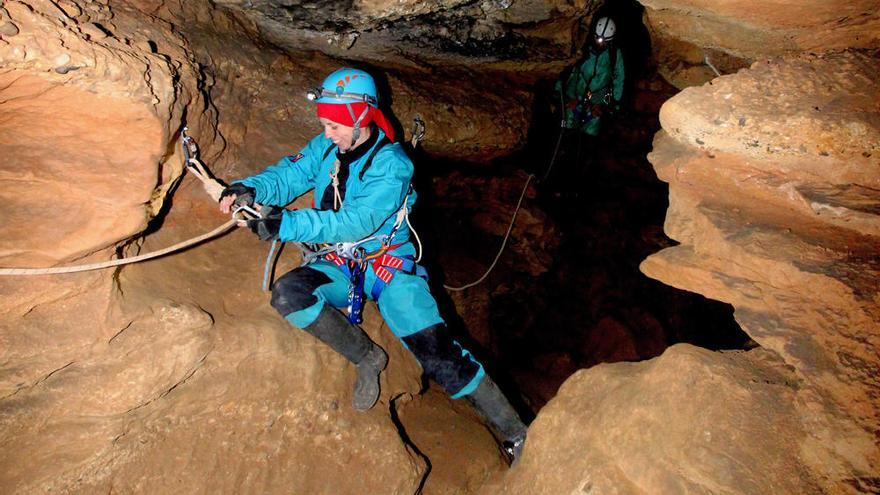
(575, 157)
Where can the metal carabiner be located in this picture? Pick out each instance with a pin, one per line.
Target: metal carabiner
(345, 250)
(190, 148)
(349, 250)
(419, 129)
(245, 210)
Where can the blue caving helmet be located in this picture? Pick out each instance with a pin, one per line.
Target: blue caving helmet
(346, 85)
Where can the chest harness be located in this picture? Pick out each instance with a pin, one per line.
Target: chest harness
(351, 257)
(582, 107)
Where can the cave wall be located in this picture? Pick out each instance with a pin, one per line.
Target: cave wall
(175, 375)
(695, 41)
(773, 176)
(759, 29)
(773, 179)
(105, 373)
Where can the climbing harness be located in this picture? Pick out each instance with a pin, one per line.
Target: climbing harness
(352, 257)
(582, 110)
(212, 187)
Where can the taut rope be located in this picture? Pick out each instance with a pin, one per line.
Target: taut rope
(213, 187)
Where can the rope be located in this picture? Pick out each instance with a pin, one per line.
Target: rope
(416, 234)
(123, 261)
(709, 63)
(558, 139)
(503, 243)
(212, 187)
(334, 180)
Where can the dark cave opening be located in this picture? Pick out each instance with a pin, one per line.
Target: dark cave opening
(580, 299)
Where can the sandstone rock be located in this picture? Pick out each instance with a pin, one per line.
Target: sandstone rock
(78, 409)
(102, 160)
(689, 421)
(105, 389)
(773, 175)
(95, 184)
(442, 430)
(176, 375)
(753, 30)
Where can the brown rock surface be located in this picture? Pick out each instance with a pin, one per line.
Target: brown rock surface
(759, 29)
(692, 39)
(174, 375)
(689, 421)
(773, 178)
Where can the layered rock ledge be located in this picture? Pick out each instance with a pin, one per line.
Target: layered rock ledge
(774, 177)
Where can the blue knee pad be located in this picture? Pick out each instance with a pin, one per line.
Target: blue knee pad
(300, 294)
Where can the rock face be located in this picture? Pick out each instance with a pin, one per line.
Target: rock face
(85, 126)
(407, 32)
(175, 375)
(692, 39)
(689, 421)
(773, 175)
(58, 154)
(759, 29)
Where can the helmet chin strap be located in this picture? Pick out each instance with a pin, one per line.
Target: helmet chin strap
(356, 131)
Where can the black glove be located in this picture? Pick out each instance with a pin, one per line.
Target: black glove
(267, 226)
(244, 195)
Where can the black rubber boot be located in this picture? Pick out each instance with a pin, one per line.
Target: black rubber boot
(494, 407)
(333, 328)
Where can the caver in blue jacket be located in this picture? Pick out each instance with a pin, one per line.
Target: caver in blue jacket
(371, 199)
(361, 180)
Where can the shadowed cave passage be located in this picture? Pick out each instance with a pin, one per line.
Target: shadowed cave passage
(567, 293)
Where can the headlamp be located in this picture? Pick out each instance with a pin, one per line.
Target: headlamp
(315, 94)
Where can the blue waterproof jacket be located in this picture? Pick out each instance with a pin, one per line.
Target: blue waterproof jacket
(371, 202)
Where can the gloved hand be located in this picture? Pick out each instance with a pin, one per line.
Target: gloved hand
(244, 195)
(267, 226)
